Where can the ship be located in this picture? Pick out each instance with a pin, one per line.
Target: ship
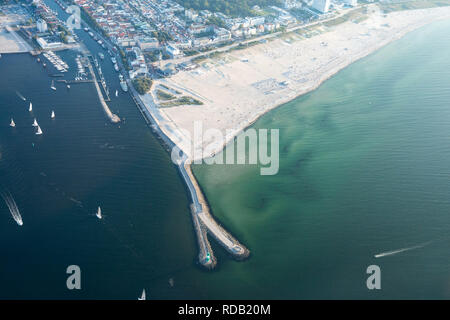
(123, 84)
(116, 67)
(99, 213)
(12, 124)
(101, 55)
(142, 297)
(86, 29)
(91, 34)
(39, 131)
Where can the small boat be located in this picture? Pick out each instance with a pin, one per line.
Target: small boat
(38, 60)
(116, 67)
(35, 124)
(12, 124)
(53, 114)
(101, 55)
(53, 85)
(44, 65)
(31, 107)
(142, 297)
(68, 86)
(99, 213)
(117, 93)
(39, 131)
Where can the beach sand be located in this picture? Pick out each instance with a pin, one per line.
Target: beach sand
(238, 87)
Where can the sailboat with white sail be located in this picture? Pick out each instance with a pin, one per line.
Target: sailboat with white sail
(99, 213)
(142, 297)
(35, 124)
(12, 124)
(30, 108)
(53, 114)
(39, 130)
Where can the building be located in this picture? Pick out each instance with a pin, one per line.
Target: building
(147, 43)
(351, 2)
(172, 51)
(321, 5)
(41, 25)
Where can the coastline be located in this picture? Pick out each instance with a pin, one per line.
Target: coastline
(225, 84)
(167, 122)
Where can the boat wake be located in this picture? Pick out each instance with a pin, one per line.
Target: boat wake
(12, 206)
(393, 252)
(20, 96)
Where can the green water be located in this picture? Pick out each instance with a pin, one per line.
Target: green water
(364, 169)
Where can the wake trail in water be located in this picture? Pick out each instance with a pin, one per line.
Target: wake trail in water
(393, 252)
(12, 206)
(20, 96)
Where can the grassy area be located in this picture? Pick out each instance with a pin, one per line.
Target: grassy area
(185, 100)
(412, 5)
(165, 96)
(170, 89)
(357, 14)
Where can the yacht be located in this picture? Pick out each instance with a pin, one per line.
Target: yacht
(39, 131)
(99, 213)
(142, 297)
(123, 84)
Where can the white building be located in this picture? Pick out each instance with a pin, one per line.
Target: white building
(321, 5)
(172, 51)
(41, 25)
(351, 2)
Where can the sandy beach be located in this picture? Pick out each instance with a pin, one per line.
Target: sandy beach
(10, 41)
(239, 86)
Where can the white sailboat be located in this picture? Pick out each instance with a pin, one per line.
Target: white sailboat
(39, 131)
(99, 213)
(117, 93)
(142, 297)
(53, 85)
(35, 124)
(30, 108)
(53, 114)
(12, 124)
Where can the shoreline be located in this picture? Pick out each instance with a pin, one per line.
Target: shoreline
(174, 118)
(167, 127)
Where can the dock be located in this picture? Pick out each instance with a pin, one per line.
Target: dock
(112, 117)
(203, 221)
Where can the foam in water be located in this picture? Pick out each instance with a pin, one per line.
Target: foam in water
(391, 253)
(12, 206)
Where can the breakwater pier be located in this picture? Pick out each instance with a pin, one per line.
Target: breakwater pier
(112, 117)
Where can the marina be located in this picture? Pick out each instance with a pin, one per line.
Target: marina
(56, 61)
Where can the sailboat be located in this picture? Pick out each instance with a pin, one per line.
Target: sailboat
(99, 213)
(35, 124)
(117, 93)
(53, 114)
(31, 107)
(12, 124)
(142, 297)
(39, 131)
(53, 85)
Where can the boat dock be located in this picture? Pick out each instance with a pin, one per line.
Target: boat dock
(203, 221)
(112, 117)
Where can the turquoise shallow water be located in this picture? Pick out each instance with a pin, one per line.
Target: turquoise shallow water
(363, 170)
